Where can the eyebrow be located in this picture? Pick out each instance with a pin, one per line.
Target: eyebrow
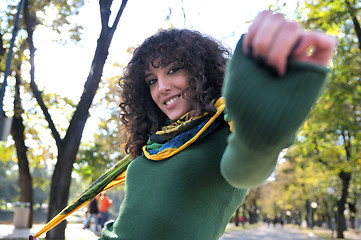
(147, 75)
(170, 65)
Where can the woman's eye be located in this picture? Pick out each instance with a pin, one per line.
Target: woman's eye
(173, 70)
(151, 82)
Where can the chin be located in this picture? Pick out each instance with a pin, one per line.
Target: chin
(175, 117)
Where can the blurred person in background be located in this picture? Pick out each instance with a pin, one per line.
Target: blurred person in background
(104, 204)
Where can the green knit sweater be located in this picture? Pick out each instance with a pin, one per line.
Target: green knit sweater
(193, 194)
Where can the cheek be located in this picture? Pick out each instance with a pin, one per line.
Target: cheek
(190, 94)
(153, 95)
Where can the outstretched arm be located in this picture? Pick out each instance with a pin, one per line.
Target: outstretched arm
(271, 84)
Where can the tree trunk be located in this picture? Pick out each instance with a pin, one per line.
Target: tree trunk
(340, 220)
(68, 148)
(2, 48)
(353, 213)
(253, 215)
(308, 214)
(236, 220)
(244, 214)
(17, 132)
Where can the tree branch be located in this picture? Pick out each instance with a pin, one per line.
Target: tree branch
(317, 152)
(347, 144)
(105, 12)
(119, 14)
(30, 25)
(81, 114)
(2, 49)
(356, 24)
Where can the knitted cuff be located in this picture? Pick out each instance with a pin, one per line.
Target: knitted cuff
(245, 168)
(268, 110)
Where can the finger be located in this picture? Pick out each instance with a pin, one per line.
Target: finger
(253, 29)
(264, 37)
(315, 47)
(287, 37)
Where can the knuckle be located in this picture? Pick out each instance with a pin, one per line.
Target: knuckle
(260, 46)
(265, 13)
(275, 58)
(279, 17)
(292, 26)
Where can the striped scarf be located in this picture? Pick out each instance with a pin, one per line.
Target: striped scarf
(173, 138)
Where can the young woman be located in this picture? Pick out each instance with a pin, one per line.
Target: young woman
(199, 143)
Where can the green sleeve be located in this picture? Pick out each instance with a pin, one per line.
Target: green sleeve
(266, 112)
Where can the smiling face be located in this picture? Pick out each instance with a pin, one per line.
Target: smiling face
(166, 86)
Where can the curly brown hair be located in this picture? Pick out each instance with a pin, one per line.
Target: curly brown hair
(201, 56)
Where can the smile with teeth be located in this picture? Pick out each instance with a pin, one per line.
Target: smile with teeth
(171, 100)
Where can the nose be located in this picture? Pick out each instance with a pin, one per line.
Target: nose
(163, 85)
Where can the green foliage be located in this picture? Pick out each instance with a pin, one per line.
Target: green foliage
(6, 152)
(9, 180)
(329, 142)
(9, 190)
(99, 155)
(41, 149)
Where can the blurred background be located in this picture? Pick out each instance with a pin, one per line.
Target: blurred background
(59, 122)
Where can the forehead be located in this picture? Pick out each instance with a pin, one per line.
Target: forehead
(157, 64)
(162, 57)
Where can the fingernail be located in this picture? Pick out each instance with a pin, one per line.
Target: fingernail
(273, 71)
(261, 61)
(295, 46)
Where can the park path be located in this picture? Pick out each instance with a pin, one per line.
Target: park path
(76, 232)
(267, 232)
(262, 232)
(72, 232)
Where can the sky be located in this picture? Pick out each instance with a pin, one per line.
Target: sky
(63, 68)
(58, 67)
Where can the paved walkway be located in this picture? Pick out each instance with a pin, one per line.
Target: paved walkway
(72, 232)
(263, 232)
(287, 232)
